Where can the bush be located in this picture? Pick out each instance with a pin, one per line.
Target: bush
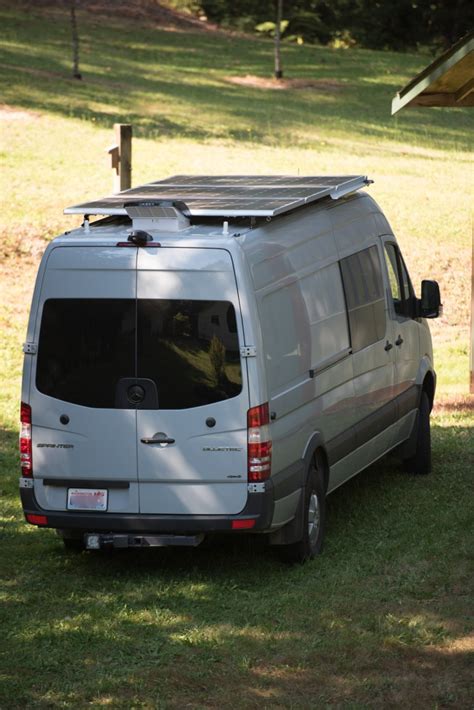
(311, 27)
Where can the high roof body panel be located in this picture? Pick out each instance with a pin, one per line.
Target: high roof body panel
(227, 195)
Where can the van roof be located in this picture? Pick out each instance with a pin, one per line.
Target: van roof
(113, 230)
(226, 195)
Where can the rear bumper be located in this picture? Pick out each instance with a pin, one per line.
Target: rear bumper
(259, 507)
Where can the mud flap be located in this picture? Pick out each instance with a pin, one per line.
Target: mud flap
(292, 531)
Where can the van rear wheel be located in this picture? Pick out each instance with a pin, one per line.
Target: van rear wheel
(314, 518)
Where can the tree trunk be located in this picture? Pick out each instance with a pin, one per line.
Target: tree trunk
(278, 69)
(75, 42)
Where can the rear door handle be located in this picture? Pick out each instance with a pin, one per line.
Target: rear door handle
(388, 346)
(399, 340)
(158, 439)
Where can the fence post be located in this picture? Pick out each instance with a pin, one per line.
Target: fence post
(121, 156)
(471, 346)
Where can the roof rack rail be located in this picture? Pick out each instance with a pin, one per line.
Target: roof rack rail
(223, 196)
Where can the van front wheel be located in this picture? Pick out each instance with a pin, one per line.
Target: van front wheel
(314, 517)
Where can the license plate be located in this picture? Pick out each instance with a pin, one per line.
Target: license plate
(87, 499)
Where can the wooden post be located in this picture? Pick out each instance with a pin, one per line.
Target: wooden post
(121, 156)
(75, 43)
(471, 356)
(279, 16)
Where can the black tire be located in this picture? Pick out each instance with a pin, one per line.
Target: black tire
(420, 462)
(314, 519)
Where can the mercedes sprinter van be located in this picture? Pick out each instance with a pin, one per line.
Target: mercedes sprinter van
(216, 354)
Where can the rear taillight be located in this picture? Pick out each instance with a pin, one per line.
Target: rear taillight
(259, 443)
(245, 524)
(36, 519)
(26, 457)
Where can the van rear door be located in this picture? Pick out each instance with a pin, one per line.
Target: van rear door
(84, 435)
(191, 437)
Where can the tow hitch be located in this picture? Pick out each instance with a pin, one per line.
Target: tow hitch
(101, 541)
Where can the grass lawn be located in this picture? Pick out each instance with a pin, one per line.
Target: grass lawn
(381, 619)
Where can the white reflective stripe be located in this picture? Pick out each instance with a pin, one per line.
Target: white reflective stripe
(254, 468)
(25, 430)
(259, 434)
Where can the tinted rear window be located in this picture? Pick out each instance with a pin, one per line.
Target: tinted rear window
(190, 349)
(85, 347)
(89, 347)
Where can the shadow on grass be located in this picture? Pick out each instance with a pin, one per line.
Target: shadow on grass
(379, 618)
(174, 85)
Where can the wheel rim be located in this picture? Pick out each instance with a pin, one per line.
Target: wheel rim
(314, 518)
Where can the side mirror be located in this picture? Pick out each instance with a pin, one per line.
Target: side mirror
(430, 300)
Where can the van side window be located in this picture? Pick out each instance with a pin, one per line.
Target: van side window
(324, 298)
(304, 324)
(392, 267)
(363, 286)
(407, 288)
(400, 284)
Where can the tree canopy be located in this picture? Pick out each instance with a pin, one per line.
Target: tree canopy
(387, 24)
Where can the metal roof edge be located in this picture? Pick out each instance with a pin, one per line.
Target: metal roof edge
(432, 72)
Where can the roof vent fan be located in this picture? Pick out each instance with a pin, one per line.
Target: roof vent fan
(162, 215)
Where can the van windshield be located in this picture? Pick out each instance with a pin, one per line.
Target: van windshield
(188, 348)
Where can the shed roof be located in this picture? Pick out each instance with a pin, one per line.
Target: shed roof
(448, 81)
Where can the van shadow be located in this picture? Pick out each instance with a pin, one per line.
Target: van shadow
(378, 619)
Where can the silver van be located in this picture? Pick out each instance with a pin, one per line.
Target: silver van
(216, 354)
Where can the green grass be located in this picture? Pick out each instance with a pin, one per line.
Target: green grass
(381, 619)
(188, 118)
(382, 615)
(170, 84)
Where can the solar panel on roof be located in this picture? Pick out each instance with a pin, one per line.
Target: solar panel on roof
(229, 195)
(262, 180)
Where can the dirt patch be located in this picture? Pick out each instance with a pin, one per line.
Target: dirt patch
(24, 249)
(259, 82)
(11, 113)
(456, 403)
(18, 268)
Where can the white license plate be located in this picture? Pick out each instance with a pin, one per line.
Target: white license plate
(87, 499)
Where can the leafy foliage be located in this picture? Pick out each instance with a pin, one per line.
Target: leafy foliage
(387, 24)
(268, 28)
